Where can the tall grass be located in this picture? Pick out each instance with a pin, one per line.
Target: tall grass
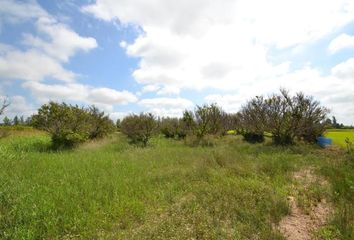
(113, 190)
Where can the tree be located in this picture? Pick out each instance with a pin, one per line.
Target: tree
(4, 105)
(334, 122)
(188, 123)
(6, 121)
(118, 123)
(139, 128)
(100, 124)
(285, 117)
(172, 128)
(70, 125)
(208, 120)
(253, 120)
(16, 121)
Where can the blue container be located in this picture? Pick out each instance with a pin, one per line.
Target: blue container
(324, 142)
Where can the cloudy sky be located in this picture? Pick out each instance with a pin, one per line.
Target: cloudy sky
(164, 56)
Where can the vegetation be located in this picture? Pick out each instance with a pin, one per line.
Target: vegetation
(112, 190)
(284, 117)
(333, 124)
(5, 103)
(70, 125)
(172, 128)
(338, 136)
(139, 128)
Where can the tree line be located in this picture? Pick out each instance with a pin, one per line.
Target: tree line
(284, 118)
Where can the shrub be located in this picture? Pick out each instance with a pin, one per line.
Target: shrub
(209, 120)
(100, 124)
(187, 123)
(70, 125)
(252, 120)
(172, 128)
(231, 122)
(284, 117)
(139, 128)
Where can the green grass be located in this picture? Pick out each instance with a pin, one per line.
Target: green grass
(339, 135)
(113, 190)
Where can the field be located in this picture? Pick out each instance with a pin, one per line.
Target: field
(339, 135)
(112, 190)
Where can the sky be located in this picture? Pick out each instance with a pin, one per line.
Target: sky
(164, 56)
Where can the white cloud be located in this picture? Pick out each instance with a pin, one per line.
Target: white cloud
(111, 96)
(102, 97)
(344, 70)
(14, 11)
(166, 102)
(227, 45)
(19, 106)
(229, 102)
(343, 41)
(222, 45)
(53, 45)
(32, 65)
(333, 92)
(118, 115)
(64, 42)
(172, 107)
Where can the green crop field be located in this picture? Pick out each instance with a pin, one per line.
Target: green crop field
(112, 190)
(339, 135)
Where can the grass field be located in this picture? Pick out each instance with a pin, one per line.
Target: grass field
(113, 190)
(339, 135)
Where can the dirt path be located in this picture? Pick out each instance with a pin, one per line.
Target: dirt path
(301, 224)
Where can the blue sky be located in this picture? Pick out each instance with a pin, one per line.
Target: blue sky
(164, 56)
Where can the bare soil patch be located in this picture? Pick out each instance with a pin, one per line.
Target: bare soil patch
(300, 224)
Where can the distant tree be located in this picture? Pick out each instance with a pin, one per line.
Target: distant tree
(139, 128)
(118, 123)
(16, 121)
(28, 121)
(7, 121)
(22, 120)
(328, 123)
(334, 122)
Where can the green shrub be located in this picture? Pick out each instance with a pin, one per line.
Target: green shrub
(139, 128)
(172, 128)
(71, 125)
(285, 117)
(100, 124)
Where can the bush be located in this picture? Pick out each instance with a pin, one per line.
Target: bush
(172, 128)
(100, 124)
(139, 128)
(284, 117)
(252, 120)
(71, 125)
